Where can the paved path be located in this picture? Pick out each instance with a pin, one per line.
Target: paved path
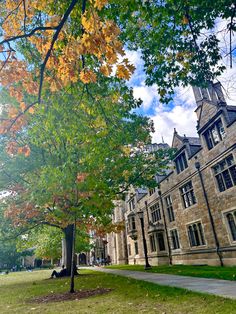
(223, 288)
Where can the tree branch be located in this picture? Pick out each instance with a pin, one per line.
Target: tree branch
(55, 36)
(35, 30)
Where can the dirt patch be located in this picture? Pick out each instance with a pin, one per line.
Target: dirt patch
(67, 296)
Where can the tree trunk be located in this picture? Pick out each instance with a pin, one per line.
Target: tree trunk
(73, 264)
(68, 231)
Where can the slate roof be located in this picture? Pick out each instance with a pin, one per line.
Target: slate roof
(195, 141)
(231, 113)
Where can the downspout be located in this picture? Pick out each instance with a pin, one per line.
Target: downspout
(217, 244)
(165, 227)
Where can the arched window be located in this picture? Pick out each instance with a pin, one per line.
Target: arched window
(196, 235)
(232, 225)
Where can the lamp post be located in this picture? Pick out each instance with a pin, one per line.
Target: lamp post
(140, 215)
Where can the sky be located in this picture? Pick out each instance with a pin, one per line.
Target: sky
(179, 114)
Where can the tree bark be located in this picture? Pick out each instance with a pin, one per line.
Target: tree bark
(73, 262)
(68, 231)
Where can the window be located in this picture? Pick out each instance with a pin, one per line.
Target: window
(169, 208)
(152, 243)
(160, 241)
(132, 204)
(157, 242)
(187, 194)
(231, 219)
(175, 239)
(181, 162)
(131, 223)
(155, 212)
(214, 134)
(136, 248)
(225, 173)
(200, 92)
(196, 236)
(152, 191)
(129, 249)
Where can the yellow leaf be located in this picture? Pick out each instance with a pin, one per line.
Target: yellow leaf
(99, 4)
(88, 76)
(122, 72)
(106, 69)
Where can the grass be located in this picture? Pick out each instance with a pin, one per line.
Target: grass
(128, 295)
(227, 273)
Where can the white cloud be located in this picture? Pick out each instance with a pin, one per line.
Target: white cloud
(148, 94)
(183, 118)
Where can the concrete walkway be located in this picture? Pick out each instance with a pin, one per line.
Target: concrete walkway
(223, 288)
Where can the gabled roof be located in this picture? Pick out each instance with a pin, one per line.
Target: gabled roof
(192, 144)
(177, 141)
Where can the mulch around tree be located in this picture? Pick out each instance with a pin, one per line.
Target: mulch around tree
(67, 296)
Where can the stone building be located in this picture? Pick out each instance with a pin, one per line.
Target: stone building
(191, 217)
(117, 242)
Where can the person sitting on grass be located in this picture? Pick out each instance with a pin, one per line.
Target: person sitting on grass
(61, 273)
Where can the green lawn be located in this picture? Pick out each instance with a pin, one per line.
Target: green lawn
(227, 273)
(128, 296)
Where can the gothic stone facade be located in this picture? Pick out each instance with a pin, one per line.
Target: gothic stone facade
(117, 242)
(191, 217)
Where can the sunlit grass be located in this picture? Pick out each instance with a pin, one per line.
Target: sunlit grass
(128, 296)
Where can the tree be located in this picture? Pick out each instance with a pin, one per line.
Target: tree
(44, 240)
(83, 154)
(74, 41)
(9, 255)
(57, 72)
(52, 35)
(178, 39)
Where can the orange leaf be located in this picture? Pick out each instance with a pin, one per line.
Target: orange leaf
(31, 110)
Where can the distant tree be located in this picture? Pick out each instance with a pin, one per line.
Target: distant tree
(45, 242)
(9, 255)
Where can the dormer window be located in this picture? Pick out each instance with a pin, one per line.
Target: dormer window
(132, 204)
(214, 134)
(181, 162)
